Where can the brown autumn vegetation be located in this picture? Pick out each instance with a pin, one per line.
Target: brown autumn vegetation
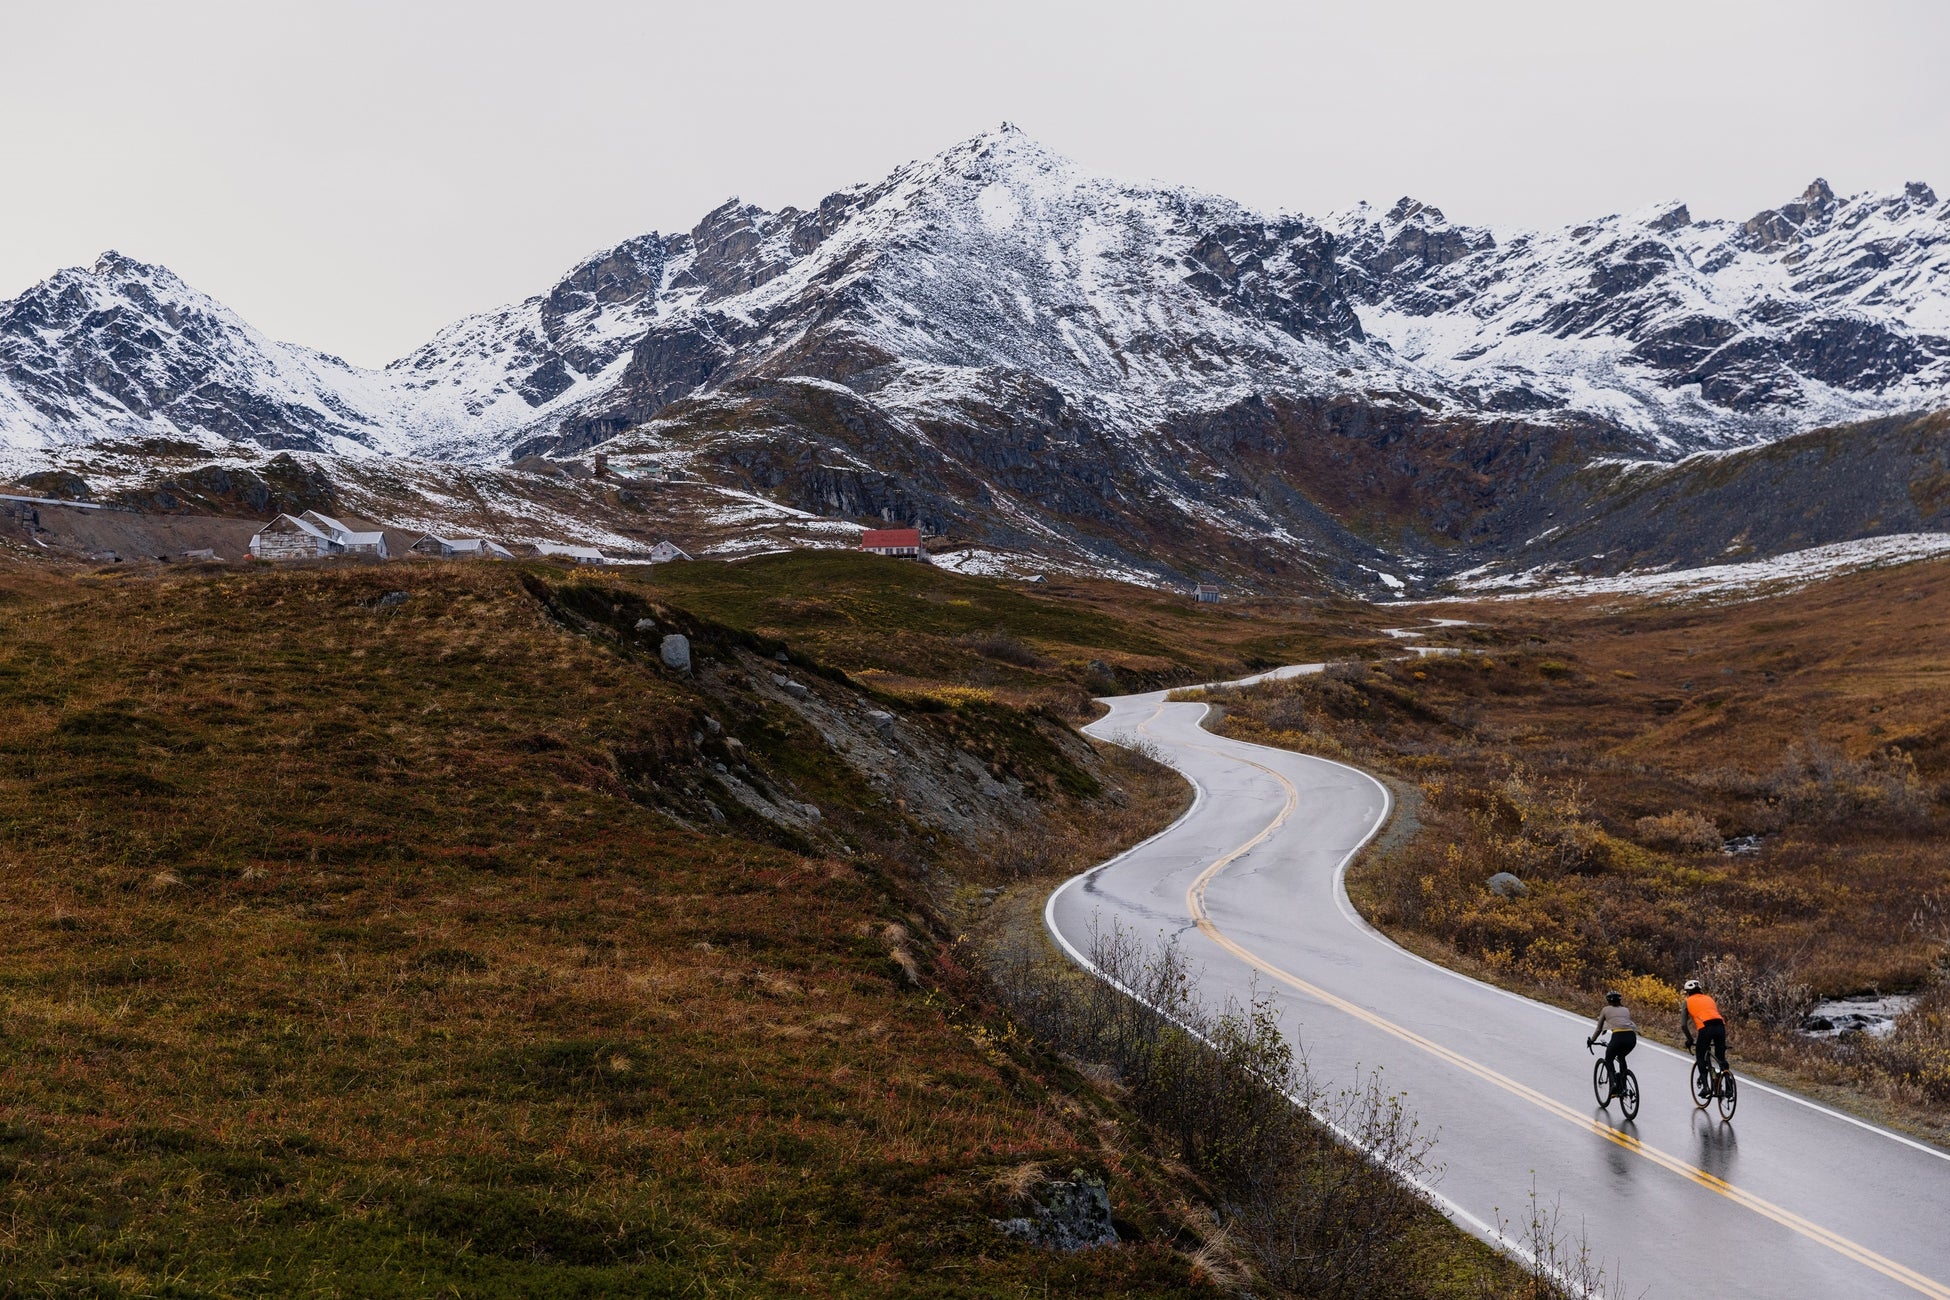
(368, 945)
(907, 628)
(1607, 753)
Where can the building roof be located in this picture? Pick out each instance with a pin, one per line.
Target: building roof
(329, 524)
(889, 537)
(344, 536)
(302, 525)
(571, 552)
(454, 543)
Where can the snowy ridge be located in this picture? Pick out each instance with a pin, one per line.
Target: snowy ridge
(124, 349)
(1000, 283)
(1824, 310)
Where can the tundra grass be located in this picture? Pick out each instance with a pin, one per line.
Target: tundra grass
(1608, 754)
(904, 626)
(349, 954)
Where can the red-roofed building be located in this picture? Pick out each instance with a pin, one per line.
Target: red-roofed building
(902, 543)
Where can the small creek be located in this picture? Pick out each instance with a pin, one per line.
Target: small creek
(1871, 1014)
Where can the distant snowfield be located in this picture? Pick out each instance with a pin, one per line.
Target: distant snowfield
(976, 561)
(1758, 577)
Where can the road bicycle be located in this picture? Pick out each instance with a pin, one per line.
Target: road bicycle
(1627, 1089)
(1713, 1085)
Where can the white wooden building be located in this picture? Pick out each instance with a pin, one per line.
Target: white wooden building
(290, 538)
(460, 548)
(666, 551)
(347, 540)
(575, 554)
(901, 543)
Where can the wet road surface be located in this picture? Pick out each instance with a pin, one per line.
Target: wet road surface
(1788, 1200)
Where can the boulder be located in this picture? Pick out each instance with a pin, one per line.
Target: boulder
(1070, 1215)
(676, 652)
(1505, 885)
(646, 625)
(882, 722)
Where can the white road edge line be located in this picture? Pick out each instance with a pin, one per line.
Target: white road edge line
(1347, 910)
(1484, 1231)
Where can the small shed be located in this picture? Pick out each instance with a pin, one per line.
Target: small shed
(290, 538)
(460, 548)
(666, 551)
(901, 543)
(1208, 593)
(576, 554)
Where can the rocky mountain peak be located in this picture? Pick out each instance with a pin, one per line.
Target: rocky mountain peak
(624, 274)
(1000, 268)
(119, 267)
(1424, 214)
(1671, 217)
(1792, 222)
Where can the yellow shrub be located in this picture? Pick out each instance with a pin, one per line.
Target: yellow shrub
(1644, 993)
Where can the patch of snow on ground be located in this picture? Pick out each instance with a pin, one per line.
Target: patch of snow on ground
(1798, 568)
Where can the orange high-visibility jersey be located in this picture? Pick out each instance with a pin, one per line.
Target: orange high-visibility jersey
(1700, 1009)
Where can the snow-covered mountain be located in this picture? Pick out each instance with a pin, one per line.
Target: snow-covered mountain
(1006, 347)
(123, 349)
(1701, 332)
(1000, 266)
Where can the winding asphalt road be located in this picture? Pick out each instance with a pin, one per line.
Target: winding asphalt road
(1788, 1200)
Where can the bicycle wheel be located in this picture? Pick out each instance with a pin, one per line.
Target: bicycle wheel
(1729, 1095)
(1702, 1087)
(1601, 1083)
(1628, 1098)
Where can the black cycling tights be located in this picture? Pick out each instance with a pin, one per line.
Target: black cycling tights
(1621, 1045)
(1711, 1034)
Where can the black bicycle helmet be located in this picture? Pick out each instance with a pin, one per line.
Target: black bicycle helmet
(1615, 998)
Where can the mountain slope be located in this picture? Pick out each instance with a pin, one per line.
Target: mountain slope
(1137, 302)
(1001, 345)
(1701, 332)
(122, 348)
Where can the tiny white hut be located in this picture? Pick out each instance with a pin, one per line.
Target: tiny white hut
(577, 554)
(666, 551)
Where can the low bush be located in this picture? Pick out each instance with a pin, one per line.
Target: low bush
(1319, 1191)
(1750, 993)
(1680, 829)
(1003, 648)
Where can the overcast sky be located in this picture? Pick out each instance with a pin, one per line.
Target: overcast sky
(353, 175)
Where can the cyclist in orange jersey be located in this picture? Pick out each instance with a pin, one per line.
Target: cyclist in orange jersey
(1702, 1024)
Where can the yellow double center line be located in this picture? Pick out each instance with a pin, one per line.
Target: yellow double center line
(1195, 902)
